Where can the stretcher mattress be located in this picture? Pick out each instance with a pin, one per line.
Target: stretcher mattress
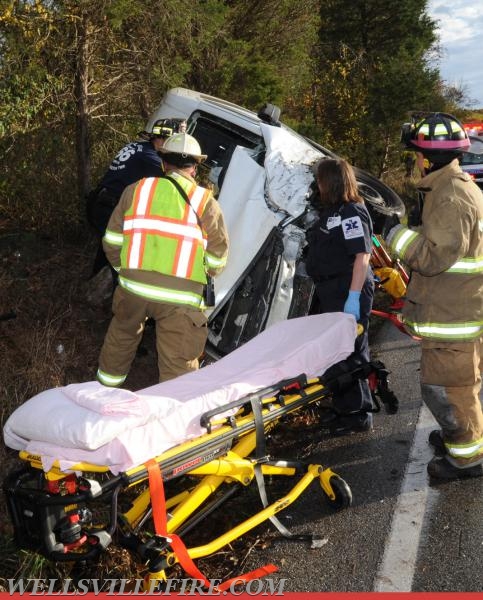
(88, 422)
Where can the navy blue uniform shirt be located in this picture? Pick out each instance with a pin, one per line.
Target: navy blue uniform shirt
(334, 240)
(135, 161)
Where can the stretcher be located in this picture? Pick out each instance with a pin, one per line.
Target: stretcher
(72, 511)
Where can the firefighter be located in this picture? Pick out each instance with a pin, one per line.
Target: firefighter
(444, 304)
(339, 247)
(133, 162)
(164, 236)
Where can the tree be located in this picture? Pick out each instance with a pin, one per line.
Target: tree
(371, 68)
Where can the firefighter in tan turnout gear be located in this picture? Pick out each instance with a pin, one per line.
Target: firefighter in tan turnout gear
(444, 304)
(164, 237)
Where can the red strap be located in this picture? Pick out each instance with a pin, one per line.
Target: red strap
(395, 321)
(256, 574)
(158, 504)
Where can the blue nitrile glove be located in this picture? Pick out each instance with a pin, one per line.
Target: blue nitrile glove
(352, 305)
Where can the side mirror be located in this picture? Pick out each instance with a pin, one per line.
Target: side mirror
(269, 113)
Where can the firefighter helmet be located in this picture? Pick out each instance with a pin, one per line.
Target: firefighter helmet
(163, 128)
(182, 145)
(440, 137)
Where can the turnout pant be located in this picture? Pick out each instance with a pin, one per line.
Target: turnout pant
(450, 387)
(181, 333)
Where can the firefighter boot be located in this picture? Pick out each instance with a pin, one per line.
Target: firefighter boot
(435, 440)
(440, 468)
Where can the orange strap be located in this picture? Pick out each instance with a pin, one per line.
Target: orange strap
(158, 505)
(395, 321)
(256, 574)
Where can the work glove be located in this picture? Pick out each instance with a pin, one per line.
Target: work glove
(352, 305)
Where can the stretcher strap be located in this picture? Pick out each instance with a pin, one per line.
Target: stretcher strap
(395, 321)
(260, 456)
(256, 574)
(158, 504)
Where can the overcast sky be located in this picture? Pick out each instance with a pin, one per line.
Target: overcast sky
(460, 25)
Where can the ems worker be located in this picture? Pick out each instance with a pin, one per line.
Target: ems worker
(164, 236)
(136, 160)
(337, 259)
(444, 303)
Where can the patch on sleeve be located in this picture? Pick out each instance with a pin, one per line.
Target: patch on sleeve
(352, 228)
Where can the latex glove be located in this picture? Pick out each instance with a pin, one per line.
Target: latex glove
(352, 305)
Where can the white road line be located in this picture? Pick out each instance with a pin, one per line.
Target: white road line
(397, 568)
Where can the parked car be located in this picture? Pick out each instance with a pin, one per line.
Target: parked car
(262, 174)
(472, 161)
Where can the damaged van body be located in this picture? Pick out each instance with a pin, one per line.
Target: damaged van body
(262, 174)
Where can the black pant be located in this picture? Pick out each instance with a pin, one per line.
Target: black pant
(99, 206)
(332, 295)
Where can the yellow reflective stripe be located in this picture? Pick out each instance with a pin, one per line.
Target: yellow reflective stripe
(214, 262)
(402, 241)
(160, 294)
(465, 450)
(467, 265)
(113, 238)
(447, 331)
(111, 380)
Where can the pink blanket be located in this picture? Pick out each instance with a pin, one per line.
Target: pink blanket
(52, 425)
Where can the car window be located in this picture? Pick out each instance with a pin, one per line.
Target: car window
(218, 139)
(475, 157)
(471, 159)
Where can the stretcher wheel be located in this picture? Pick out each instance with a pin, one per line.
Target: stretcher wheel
(338, 492)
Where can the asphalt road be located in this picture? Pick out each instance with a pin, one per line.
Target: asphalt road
(401, 533)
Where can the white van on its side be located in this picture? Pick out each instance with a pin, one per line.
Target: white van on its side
(262, 174)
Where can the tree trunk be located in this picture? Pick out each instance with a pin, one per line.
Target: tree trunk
(82, 109)
(385, 155)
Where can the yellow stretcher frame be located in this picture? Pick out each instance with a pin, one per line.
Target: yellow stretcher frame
(223, 456)
(229, 453)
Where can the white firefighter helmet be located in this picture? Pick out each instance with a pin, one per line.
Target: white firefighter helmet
(185, 145)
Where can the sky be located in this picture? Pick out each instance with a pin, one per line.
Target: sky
(460, 24)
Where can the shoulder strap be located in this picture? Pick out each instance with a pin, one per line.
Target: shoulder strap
(184, 195)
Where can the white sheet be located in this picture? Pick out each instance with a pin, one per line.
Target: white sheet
(70, 433)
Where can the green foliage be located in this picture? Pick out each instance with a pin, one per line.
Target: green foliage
(79, 78)
(371, 69)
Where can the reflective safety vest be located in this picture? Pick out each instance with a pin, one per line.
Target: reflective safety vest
(161, 231)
